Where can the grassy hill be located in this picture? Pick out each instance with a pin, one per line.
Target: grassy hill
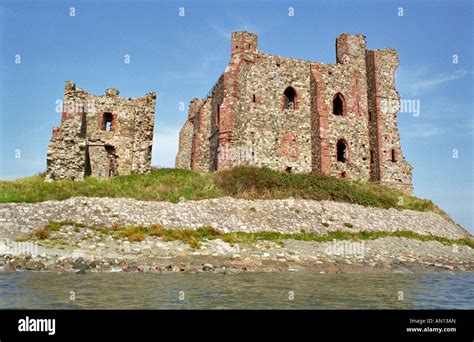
(241, 182)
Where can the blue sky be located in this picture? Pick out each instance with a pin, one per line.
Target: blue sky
(181, 57)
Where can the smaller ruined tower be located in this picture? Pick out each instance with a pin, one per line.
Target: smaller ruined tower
(101, 136)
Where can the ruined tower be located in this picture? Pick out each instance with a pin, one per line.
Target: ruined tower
(301, 116)
(101, 136)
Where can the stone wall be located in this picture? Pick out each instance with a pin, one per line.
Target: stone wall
(101, 136)
(300, 116)
(391, 167)
(183, 158)
(200, 156)
(347, 78)
(273, 134)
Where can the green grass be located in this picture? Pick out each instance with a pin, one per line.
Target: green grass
(161, 185)
(241, 237)
(257, 183)
(54, 226)
(190, 236)
(194, 237)
(241, 182)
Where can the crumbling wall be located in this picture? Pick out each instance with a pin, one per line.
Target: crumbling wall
(101, 136)
(390, 166)
(186, 136)
(200, 154)
(215, 145)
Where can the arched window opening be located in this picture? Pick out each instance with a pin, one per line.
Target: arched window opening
(107, 122)
(338, 104)
(342, 153)
(290, 98)
(254, 98)
(218, 115)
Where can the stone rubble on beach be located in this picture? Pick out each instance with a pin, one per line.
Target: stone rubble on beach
(226, 214)
(82, 253)
(89, 249)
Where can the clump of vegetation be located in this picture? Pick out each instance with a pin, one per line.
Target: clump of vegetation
(194, 237)
(240, 182)
(241, 237)
(348, 225)
(55, 226)
(42, 234)
(264, 183)
(189, 236)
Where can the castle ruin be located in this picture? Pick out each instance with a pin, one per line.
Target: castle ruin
(101, 136)
(299, 116)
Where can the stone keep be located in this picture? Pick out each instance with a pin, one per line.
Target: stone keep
(299, 116)
(101, 136)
